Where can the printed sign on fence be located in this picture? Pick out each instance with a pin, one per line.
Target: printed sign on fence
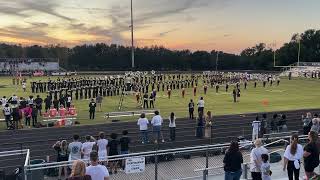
(135, 165)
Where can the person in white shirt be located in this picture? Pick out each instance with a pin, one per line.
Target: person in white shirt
(256, 125)
(95, 170)
(201, 105)
(255, 159)
(143, 124)
(265, 167)
(156, 123)
(7, 111)
(4, 101)
(102, 148)
(87, 147)
(24, 86)
(292, 157)
(172, 126)
(69, 99)
(75, 148)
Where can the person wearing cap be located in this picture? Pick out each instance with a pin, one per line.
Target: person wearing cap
(255, 159)
(92, 109)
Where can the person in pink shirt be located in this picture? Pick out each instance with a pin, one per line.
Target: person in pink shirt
(52, 111)
(27, 114)
(62, 111)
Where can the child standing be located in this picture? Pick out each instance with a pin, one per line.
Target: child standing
(265, 167)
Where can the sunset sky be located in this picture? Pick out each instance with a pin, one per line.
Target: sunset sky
(228, 25)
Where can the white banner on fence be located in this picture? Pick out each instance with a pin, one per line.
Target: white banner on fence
(135, 165)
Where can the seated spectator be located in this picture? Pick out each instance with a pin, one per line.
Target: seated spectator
(95, 170)
(53, 111)
(72, 111)
(78, 171)
(62, 155)
(62, 111)
(307, 123)
(315, 123)
(311, 154)
(232, 162)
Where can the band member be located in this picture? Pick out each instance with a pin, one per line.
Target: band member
(24, 86)
(191, 109)
(183, 92)
(92, 109)
(138, 97)
(217, 88)
(151, 100)
(145, 101)
(245, 85)
(194, 90)
(169, 93)
(205, 88)
(255, 84)
(227, 87)
(278, 81)
(234, 94)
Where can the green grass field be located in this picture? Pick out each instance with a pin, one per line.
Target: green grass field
(290, 95)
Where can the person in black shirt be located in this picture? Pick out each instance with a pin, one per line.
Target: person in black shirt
(145, 101)
(56, 104)
(151, 100)
(38, 101)
(234, 93)
(191, 109)
(124, 145)
(92, 108)
(113, 151)
(311, 154)
(232, 162)
(34, 115)
(47, 102)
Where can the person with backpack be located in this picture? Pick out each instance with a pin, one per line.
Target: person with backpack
(311, 154)
(292, 157)
(172, 126)
(307, 123)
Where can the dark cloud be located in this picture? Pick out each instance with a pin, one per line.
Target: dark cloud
(21, 7)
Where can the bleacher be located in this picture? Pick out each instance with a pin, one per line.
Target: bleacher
(304, 69)
(29, 64)
(225, 128)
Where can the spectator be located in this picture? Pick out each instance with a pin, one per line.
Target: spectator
(307, 123)
(292, 157)
(16, 116)
(208, 125)
(172, 126)
(102, 147)
(256, 125)
(3, 101)
(68, 103)
(124, 145)
(99, 99)
(92, 108)
(273, 123)
(311, 154)
(38, 101)
(264, 125)
(7, 111)
(95, 170)
(34, 115)
(265, 167)
(201, 105)
(232, 162)
(75, 148)
(157, 123)
(143, 125)
(47, 102)
(256, 160)
(191, 109)
(27, 114)
(200, 123)
(315, 123)
(87, 147)
(78, 171)
(113, 151)
(62, 155)
(282, 124)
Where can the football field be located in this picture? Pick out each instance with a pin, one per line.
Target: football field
(289, 95)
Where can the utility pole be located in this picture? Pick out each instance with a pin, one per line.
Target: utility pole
(132, 45)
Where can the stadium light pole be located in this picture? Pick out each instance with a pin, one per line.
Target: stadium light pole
(132, 45)
(217, 59)
(299, 48)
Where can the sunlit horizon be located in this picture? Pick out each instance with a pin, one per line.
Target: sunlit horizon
(227, 25)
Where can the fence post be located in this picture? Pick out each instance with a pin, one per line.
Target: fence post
(156, 167)
(245, 171)
(205, 172)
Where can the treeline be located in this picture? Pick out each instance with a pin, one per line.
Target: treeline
(117, 57)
